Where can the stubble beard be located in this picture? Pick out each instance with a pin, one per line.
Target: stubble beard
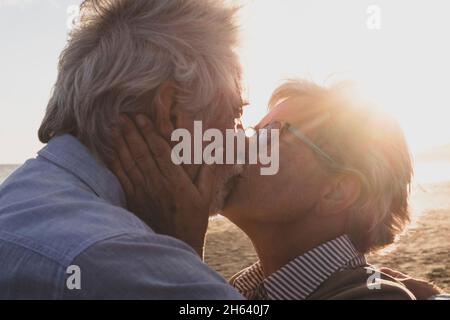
(225, 184)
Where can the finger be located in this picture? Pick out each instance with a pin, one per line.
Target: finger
(143, 213)
(138, 150)
(161, 151)
(126, 160)
(394, 274)
(116, 168)
(206, 181)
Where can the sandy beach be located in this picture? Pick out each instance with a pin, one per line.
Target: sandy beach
(423, 250)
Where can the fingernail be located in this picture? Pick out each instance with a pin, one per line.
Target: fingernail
(141, 121)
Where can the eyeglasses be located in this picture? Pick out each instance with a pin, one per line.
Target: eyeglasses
(263, 134)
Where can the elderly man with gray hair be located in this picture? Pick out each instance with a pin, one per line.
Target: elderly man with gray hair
(65, 228)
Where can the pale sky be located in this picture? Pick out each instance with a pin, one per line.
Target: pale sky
(403, 67)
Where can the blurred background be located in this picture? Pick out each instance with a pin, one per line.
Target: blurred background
(396, 51)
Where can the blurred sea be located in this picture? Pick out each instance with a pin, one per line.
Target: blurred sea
(6, 170)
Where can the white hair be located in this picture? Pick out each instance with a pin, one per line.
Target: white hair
(372, 145)
(122, 51)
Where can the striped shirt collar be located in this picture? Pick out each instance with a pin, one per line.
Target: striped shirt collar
(302, 276)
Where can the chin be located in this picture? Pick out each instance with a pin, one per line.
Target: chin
(226, 182)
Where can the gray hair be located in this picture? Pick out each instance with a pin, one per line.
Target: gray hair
(122, 51)
(369, 143)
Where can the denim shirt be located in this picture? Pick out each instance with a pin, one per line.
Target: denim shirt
(65, 233)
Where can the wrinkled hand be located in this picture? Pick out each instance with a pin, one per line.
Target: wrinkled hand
(158, 191)
(421, 289)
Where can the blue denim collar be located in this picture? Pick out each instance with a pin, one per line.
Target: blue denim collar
(69, 153)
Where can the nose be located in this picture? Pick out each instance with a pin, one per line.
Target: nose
(239, 125)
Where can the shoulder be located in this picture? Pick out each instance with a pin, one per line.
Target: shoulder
(147, 266)
(364, 283)
(51, 213)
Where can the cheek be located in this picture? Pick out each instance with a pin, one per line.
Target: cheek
(263, 198)
(278, 198)
(296, 187)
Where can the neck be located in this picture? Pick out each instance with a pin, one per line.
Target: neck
(277, 245)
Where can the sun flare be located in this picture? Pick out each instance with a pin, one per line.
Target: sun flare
(302, 39)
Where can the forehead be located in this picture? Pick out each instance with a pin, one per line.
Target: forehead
(305, 113)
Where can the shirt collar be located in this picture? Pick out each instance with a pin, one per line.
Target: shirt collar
(302, 276)
(70, 154)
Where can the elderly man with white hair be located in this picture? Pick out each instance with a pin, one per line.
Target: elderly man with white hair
(65, 228)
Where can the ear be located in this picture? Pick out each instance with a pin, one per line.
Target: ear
(339, 194)
(166, 115)
(163, 108)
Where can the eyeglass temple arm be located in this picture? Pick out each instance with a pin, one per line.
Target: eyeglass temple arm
(308, 141)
